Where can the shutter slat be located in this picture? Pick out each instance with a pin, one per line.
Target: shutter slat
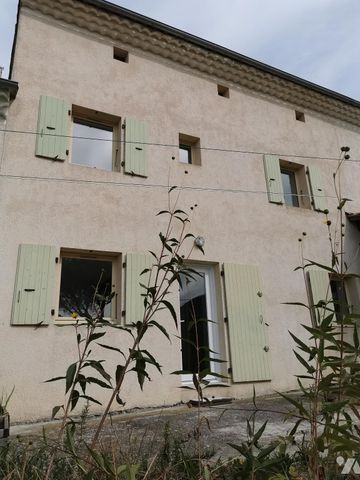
(53, 118)
(248, 334)
(317, 188)
(34, 284)
(274, 185)
(136, 148)
(134, 302)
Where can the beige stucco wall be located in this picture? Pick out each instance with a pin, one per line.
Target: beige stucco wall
(65, 205)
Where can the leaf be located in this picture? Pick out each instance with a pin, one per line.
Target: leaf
(55, 379)
(299, 304)
(90, 399)
(295, 427)
(118, 373)
(109, 347)
(95, 336)
(259, 433)
(171, 310)
(96, 364)
(301, 344)
(70, 375)
(161, 328)
(308, 367)
(74, 398)
(162, 212)
(97, 381)
(55, 410)
(119, 401)
(298, 405)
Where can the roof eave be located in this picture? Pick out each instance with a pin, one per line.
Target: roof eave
(10, 85)
(129, 14)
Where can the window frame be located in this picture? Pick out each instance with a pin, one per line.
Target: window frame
(114, 258)
(192, 144)
(300, 182)
(294, 196)
(215, 336)
(106, 121)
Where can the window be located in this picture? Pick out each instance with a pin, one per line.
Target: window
(189, 150)
(83, 275)
(94, 139)
(287, 183)
(199, 323)
(300, 116)
(185, 153)
(289, 187)
(121, 55)
(223, 91)
(294, 184)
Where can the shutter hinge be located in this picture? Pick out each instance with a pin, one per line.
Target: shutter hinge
(124, 264)
(56, 259)
(222, 273)
(123, 163)
(229, 370)
(225, 319)
(123, 312)
(69, 113)
(52, 311)
(67, 152)
(123, 126)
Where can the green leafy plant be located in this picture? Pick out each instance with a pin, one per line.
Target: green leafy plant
(4, 401)
(331, 382)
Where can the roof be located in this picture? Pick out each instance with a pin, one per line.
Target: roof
(125, 28)
(131, 15)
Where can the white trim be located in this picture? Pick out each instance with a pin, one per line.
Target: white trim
(212, 312)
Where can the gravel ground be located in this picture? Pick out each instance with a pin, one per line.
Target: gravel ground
(143, 430)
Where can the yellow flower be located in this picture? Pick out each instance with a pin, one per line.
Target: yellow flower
(292, 471)
(74, 315)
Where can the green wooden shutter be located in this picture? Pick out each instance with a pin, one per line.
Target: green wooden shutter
(134, 301)
(319, 282)
(34, 285)
(274, 185)
(52, 128)
(248, 336)
(317, 189)
(136, 148)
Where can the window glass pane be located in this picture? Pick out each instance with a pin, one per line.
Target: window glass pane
(289, 187)
(92, 153)
(185, 154)
(194, 324)
(79, 278)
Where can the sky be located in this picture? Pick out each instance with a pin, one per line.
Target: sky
(318, 40)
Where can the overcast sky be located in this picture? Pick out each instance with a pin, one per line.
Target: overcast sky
(318, 40)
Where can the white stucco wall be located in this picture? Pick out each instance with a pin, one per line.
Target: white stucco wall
(70, 206)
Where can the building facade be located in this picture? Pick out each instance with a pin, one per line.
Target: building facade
(104, 111)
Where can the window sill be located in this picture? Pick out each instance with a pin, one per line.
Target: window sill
(60, 321)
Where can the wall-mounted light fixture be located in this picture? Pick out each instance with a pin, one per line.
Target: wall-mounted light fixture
(199, 241)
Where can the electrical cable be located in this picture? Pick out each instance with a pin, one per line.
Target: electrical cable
(169, 145)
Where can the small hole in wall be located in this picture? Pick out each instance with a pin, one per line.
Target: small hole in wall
(121, 55)
(223, 91)
(300, 116)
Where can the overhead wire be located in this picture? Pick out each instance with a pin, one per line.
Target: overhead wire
(170, 145)
(157, 185)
